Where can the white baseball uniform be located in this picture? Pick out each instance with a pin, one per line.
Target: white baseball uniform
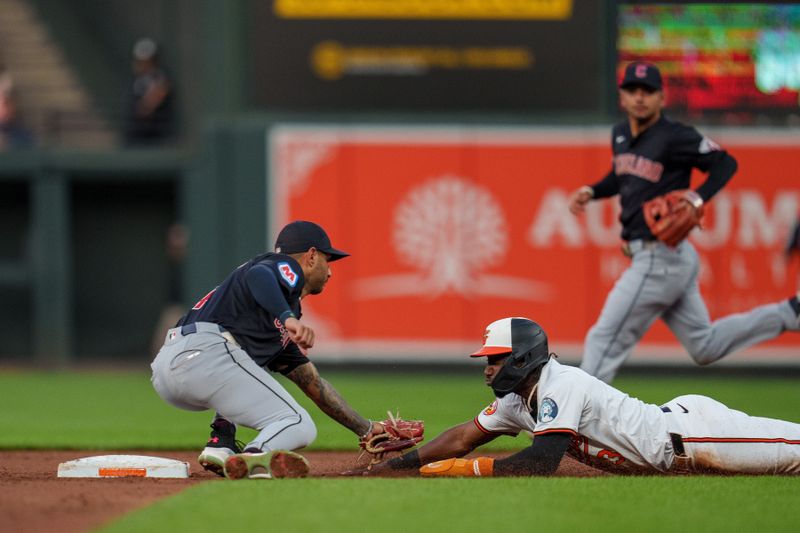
(615, 432)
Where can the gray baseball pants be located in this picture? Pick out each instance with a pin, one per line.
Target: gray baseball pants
(208, 370)
(662, 282)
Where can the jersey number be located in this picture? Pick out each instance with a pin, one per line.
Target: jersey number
(611, 456)
(581, 451)
(203, 300)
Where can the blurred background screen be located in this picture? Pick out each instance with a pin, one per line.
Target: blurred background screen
(718, 60)
(436, 55)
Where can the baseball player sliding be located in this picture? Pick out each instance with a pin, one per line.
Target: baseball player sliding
(652, 164)
(221, 352)
(569, 411)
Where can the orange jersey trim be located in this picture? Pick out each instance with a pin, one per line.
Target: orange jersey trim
(557, 430)
(740, 440)
(489, 432)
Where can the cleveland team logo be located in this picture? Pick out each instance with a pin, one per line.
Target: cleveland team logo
(638, 166)
(285, 337)
(287, 273)
(492, 409)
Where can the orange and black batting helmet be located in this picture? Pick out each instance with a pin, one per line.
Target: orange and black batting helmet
(526, 343)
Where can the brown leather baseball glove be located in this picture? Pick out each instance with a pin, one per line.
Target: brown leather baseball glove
(672, 216)
(397, 435)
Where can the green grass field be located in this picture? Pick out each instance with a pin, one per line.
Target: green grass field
(115, 410)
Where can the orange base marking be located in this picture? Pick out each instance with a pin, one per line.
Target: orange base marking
(122, 472)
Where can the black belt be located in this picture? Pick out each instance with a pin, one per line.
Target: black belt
(631, 247)
(677, 440)
(677, 444)
(188, 329)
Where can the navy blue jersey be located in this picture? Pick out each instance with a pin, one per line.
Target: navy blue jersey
(233, 306)
(659, 160)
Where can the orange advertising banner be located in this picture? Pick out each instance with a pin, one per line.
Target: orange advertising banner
(452, 228)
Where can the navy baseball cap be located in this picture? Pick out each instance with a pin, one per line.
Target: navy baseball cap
(301, 235)
(641, 73)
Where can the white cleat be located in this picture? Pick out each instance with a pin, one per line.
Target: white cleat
(213, 459)
(268, 465)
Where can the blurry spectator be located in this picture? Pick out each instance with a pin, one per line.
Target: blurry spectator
(13, 134)
(176, 246)
(150, 113)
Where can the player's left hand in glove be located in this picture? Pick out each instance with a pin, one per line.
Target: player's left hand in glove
(480, 467)
(672, 216)
(392, 435)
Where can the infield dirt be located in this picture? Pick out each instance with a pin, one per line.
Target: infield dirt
(34, 499)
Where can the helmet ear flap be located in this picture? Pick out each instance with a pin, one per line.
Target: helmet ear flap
(529, 353)
(512, 375)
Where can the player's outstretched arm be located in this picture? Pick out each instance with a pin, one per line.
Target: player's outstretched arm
(454, 442)
(328, 399)
(540, 459)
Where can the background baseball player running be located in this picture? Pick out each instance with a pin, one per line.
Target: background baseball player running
(654, 156)
(221, 352)
(569, 411)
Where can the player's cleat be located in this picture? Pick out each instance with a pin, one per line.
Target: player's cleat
(267, 465)
(221, 445)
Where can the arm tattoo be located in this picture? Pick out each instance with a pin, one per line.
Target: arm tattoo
(328, 398)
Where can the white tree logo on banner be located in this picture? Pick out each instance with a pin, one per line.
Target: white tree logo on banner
(450, 231)
(300, 160)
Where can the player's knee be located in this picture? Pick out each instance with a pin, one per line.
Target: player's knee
(291, 429)
(702, 357)
(309, 432)
(305, 431)
(702, 348)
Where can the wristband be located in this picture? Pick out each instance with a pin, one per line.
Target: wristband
(369, 430)
(694, 199)
(286, 315)
(408, 461)
(588, 190)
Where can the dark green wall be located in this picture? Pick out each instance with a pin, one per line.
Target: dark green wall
(121, 271)
(83, 267)
(15, 292)
(226, 201)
